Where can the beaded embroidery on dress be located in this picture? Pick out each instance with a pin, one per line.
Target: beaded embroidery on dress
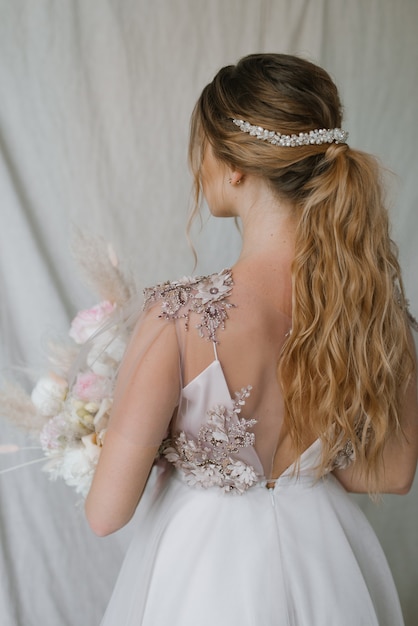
(204, 295)
(213, 459)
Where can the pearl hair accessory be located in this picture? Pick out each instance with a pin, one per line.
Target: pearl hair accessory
(313, 137)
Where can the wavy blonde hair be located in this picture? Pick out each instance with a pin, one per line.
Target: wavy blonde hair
(346, 365)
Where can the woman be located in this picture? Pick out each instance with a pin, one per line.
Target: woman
(270, 389)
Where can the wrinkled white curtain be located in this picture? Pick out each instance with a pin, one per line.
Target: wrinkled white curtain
(95, 100)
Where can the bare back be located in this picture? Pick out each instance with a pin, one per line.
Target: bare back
(249, 350)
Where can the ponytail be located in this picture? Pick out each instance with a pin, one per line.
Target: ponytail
(345, 367)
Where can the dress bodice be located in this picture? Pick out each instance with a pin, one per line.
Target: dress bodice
(210, 442)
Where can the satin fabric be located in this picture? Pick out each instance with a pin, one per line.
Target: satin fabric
(299, 554)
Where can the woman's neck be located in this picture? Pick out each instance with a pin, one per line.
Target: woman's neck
(268, 233)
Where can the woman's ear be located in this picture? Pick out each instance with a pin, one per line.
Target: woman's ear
(235, 177)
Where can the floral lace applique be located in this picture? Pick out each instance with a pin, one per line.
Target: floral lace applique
(347, 454)
(204, 295)
(344, 457)
(213, 459)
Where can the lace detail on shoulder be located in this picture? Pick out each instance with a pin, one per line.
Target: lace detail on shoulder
(212, 460)
(204, 295)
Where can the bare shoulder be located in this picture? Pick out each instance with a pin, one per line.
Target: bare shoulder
(263, 299)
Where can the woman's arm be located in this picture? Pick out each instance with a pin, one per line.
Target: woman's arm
(146, 396)
(401, 452)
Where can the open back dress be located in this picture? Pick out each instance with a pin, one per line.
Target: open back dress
(220, 539)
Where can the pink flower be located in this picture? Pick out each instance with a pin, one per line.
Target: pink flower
(86, 322)
(54, 434)
(90, 387)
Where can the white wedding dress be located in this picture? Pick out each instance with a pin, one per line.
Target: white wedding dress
(214, 546)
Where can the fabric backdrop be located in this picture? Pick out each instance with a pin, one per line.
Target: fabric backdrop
(95, 100)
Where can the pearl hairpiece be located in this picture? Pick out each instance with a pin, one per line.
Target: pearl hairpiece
(317, 136)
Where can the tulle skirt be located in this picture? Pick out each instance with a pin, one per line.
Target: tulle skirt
(301, 554)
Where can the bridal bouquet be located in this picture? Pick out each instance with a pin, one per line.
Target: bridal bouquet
(77, 417)
(69, 406)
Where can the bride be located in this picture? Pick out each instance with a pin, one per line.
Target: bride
(259, 396)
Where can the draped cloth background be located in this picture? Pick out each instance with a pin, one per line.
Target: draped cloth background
(95, 100)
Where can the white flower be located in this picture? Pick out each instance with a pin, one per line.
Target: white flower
(207, 475)
(88, 321)
(92, 449)
(106, 351)
(219, 436)
(212, 289)
(171, 455)
(245, 473)
(77, 469)
(102, 416)
(49, 394)
(76, 465)
(218, 417)
(78, 420)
